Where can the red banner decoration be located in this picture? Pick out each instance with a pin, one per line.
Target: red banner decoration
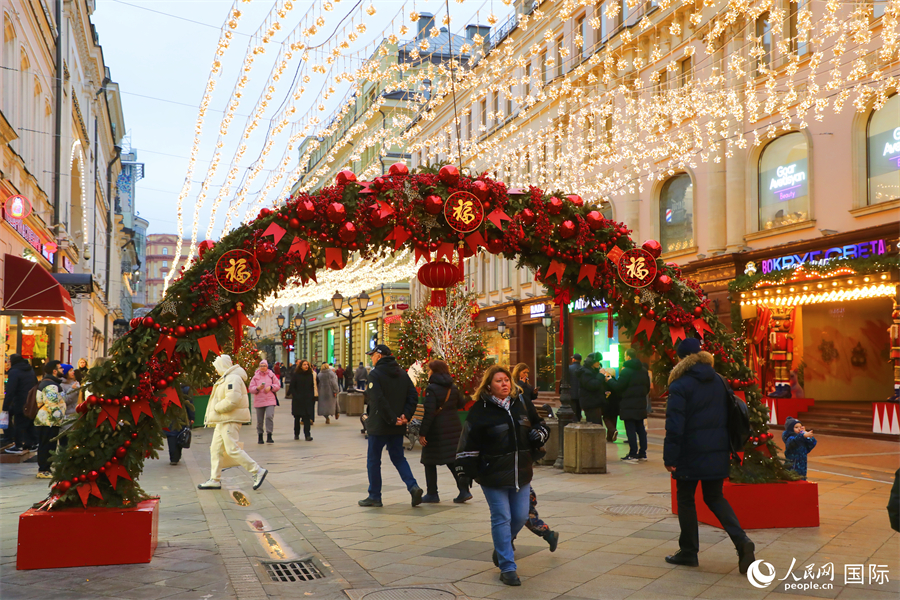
(562, 299)
(475, 240)
(301, 246)
(422, 253)
(647, 326)
(637, 268)
(399, 235)
(497, 217)
(384, 209)
(89, 488)
(166, 343)
(589, 271)
(614, 254)
(139, 407)
(169, 395)
(676, 333)
(209, 344)
(108, 412)
(701, 326)
(334, 257)
(556, 268)
(463, 212)
(276, 231)
(114, 472)
(445, 250)
(609, 322)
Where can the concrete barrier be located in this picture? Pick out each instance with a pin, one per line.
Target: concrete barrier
(355, 404)
(551, 447)
(585, 448)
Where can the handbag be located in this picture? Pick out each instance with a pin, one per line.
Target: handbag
(184, 437)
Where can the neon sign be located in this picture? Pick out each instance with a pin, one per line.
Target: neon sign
(33, 239)
(537, 310)
(787, 182)
(863, 250)
(18, 207)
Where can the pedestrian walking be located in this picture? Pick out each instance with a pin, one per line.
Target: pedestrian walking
(392, 399)
(633, 386)
(798, 443)
(521, 376)
(697, 449)
(20, 380)
(594, 401)
(276, 368)
(575, 386)
(264, 386)
(361, 376)
(227, 410)
(339, 372)
(328, 391)
(51, 405)
(303, 391)
(70, 388)
(81, 370)
(495, 449)
(440, 430)
(173, 431)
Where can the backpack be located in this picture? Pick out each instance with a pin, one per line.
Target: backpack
(738, 420)
(31, 408)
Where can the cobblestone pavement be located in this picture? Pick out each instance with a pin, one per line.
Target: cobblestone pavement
(213, 543)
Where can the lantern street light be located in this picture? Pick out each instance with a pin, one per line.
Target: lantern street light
(504, 331)
(362, 303)
(280, 320)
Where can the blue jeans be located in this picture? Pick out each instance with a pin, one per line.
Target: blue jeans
(394, 445)
(509, 511)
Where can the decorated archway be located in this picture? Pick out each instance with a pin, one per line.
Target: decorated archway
(439, 215)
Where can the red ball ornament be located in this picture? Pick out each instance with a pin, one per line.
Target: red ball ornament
(148, 321)
(134, 322)
(434, 204)
(294, 223)
(266, 252)
(528, 216)
(449, 175)
(212, 322)
(264, 213)
(336, 212)
(180, 330)
(92, 399)
(377, 219)
(306, 210)
(93, 475)
(126, 443)
(170, 379)
(575, 199)
(651, 314)
(63, 486)
(205, 246)
(663, 283)
(495, 245)
(120, 452)
(594, 220)
(698, 310)
(397, 169)
(554, 206)
(203, 327)
(567, 229)
(345, 177)
(162, 384)
(348, 232)
(134, 434)
(653, 247)
(480, 189)
(107, 464)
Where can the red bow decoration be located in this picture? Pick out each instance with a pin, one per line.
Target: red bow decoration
(275, 230)
(166, 343)
(108, 412)
(301, 246)
(89, 488)
(140, 407)
(116, 471)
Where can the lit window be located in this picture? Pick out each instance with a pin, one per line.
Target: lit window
(883, 149)
(784, 182)
(676, 207)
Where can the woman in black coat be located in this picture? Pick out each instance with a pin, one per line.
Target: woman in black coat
(633, 385)
(20, 380)
(303, 391)
(440, 430)
(521, 376)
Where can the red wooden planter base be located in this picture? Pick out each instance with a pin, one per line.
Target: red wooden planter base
(91, 537)
(764, 505)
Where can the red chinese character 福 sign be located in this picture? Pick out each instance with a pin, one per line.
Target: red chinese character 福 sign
(237, 271)
(637, 268)
(463, 212)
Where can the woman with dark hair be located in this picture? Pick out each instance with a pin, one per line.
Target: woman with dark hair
(495, 450)
(303, 390)
(633, 385)
(440, 430)
(521, 375)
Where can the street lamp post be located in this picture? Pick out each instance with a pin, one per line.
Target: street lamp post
(564, 415)
(504, 331)
(337, 302)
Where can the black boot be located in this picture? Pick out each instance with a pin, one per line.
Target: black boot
(260, 439)
(269, 439)
(552, 538)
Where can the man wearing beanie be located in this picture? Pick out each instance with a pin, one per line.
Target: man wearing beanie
(697, 449)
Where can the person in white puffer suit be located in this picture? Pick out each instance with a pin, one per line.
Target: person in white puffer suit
(227, 410)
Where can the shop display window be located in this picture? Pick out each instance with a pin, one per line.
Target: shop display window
(371, 338)
(784, 182)
(883, 152)
(590, 334)
(676, 208)
(329, 346)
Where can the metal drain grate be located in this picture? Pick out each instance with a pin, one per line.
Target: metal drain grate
(636, 509)
(304, 570)
(412, 593)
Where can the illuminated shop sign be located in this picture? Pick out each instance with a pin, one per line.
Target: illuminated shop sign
(892, 149)
(863, 250)
(18, 207)
(537, 310)
(491, 319)
(34, 240)
(788, 181)
(582, 304)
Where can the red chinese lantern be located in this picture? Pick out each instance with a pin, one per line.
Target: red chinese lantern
(438, 276)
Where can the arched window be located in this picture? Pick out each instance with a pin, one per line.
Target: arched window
(165, 251)
(883, 150)
(784, 182)
(676, 212)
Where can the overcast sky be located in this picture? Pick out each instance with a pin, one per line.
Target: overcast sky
(160, 53)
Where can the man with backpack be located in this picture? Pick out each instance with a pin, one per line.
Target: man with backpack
(698, 448)
(21, 380)
(51, 404)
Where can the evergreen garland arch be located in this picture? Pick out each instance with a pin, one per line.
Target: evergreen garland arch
(572, 249)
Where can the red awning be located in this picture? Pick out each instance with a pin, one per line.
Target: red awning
(30, 289)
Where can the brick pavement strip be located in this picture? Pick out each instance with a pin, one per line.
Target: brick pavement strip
(210, 546)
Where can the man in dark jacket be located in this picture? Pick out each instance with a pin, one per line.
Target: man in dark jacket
(21, 379)
(392, 399)
(575, 386)
(696, 448)
(633, 385)
(893, 506)
(593, 396)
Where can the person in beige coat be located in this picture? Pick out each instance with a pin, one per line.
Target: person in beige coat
(227, 410)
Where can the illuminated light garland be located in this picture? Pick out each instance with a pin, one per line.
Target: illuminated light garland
(84, 220)
(815, 297)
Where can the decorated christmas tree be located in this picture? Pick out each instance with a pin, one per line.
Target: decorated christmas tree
(448, 333)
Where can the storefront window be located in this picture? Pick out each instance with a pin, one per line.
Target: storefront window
(545, 359)
(345, 352)
(676, 208)
(329, 346)
(783, 182)
(590, 334)
(371, 338)
(883, 137)
(497, 348)
(315, 353)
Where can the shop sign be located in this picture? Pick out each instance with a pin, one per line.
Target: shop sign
(311, 319)
(537, 310)
(892, 150)
(18, 207)
(863, 250)
(67, 264)
(491, 319)
(582, 304)
(787, 181)
(402, 306)
(33, 239)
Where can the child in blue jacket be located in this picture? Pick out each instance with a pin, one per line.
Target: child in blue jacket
(798, 442)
